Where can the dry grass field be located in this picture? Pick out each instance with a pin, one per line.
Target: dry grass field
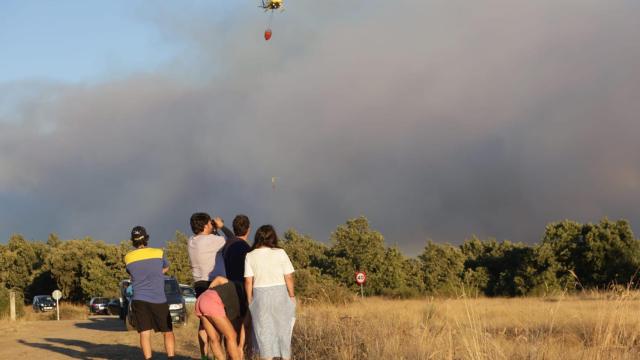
(594, 326)
(587, 326)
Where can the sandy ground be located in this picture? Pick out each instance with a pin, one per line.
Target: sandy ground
(100, 337)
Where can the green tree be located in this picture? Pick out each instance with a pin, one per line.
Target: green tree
(597, 254)
(397, 275)
(178, 256)
(309, 259)
(53, 240)
(304, 251)
(442, 267)
(19, 263)
(509, 269)
(86, 268)
(355, 247)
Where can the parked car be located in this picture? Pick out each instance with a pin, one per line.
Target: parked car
(188, 294)
(98, 305)
(43, 303)
(114, 306)
(177, 308)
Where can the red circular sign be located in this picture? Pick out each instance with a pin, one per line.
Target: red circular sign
(361, 277)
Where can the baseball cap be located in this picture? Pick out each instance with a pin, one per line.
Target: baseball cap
(139, 233)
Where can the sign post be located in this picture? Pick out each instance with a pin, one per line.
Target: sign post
(12, 305)
(57, 294)
(361, 278)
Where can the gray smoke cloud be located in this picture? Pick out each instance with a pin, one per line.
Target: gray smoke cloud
(435, 119)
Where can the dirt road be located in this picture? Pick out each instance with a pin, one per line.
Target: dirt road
(97, 338)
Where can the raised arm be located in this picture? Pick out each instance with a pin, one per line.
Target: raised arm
(227, 233)
(219, 224)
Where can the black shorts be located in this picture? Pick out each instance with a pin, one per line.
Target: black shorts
(149, 316)
(200, 286)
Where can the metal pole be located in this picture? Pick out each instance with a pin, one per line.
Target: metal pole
(12, 304)
(361, 291)
(58, 309)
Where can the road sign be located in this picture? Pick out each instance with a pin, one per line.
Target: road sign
(57, 295)
(361, 278)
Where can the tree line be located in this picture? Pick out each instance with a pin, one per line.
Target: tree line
(569, 256)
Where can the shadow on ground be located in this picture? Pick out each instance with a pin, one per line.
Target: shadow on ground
(78, 349)
(103, 324)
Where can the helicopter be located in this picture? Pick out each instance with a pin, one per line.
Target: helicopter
(271, 6)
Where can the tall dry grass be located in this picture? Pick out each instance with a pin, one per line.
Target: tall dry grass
(589, 326)
(585, 326)
(68, 311)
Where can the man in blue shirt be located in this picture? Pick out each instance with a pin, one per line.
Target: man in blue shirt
(149, 307)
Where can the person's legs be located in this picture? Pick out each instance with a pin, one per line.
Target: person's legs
(214, 338)
(225, 327)
(203, 342)
(169, 343)
(247, 346)
(241, 336)
(145, 343)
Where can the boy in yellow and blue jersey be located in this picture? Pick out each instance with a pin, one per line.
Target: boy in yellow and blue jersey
(149, 307)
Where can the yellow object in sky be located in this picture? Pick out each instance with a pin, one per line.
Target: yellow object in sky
(272, 5)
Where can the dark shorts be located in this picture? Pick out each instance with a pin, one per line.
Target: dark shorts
(149, 316)
(200, 286)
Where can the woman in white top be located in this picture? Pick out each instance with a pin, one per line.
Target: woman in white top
(268, 281)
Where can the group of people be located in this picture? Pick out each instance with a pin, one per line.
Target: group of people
(243, 292)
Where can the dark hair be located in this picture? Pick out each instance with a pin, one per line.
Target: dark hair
(241, 225)
(139, 236)
(199, 221)
(265, 236)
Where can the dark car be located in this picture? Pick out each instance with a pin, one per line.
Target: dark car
(43, 303)
(114, 306)
(98, 305)
(177, 308)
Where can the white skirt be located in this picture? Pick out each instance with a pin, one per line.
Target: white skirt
(273, 314)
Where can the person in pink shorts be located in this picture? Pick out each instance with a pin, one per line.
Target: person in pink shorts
(209, 304)
(211, 311)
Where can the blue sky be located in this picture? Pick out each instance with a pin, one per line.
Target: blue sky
(79, 41)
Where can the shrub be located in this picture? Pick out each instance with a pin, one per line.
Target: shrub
(311, 286)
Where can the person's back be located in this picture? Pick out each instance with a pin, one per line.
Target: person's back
(234, 257)
(267, 266)
(269, 287)
(147, 279)
(205, 256)
(236, 249)
(149, 307)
